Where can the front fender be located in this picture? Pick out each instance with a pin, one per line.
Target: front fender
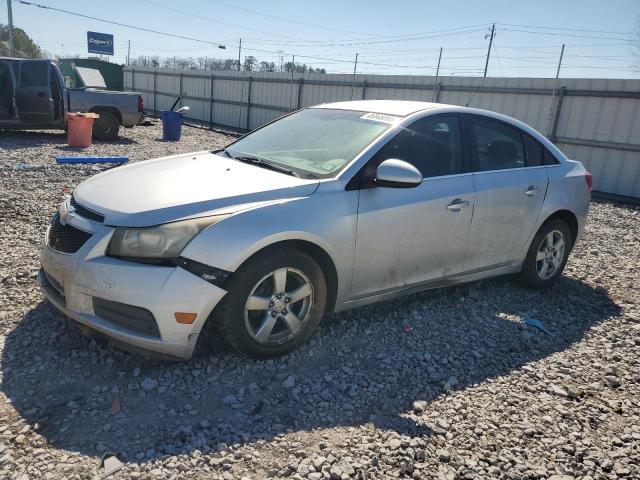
(327, 219)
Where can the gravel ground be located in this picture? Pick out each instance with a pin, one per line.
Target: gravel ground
(444, 384)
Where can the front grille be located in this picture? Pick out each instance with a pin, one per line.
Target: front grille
(128, 317)
(65, 238)
(85, 212)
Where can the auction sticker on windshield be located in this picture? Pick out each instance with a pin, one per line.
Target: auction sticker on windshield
(380, 117)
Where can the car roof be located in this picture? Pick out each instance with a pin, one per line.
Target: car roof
(400, 108)
(405, 108)
(13, 59)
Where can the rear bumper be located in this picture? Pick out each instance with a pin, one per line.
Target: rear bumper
(72, 282)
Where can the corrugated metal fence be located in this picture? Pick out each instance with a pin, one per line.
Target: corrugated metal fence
(596, 121)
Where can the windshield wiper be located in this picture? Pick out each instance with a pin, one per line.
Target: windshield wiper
(259, 162)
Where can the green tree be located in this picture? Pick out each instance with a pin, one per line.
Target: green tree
(250, 62)
(24, 45)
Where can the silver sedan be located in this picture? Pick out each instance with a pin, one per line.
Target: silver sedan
(328, 208)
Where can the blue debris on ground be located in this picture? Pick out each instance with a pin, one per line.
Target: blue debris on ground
(535, 323)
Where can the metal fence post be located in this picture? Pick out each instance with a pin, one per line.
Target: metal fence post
(133, 80)
(155, 93)
(298, 102)
(364, 89)
(180, 93)
(211, 103)
(249, 101)
(556, 118)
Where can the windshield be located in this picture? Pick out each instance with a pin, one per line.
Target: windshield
(315, 141)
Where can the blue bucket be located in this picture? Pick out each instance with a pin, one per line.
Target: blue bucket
(171, 125)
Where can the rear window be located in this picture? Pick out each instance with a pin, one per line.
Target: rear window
(34, 74)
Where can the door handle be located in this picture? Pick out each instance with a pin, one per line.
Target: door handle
(531, 191)
(457, 205)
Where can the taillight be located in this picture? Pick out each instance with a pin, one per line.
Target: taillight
(140, 104)
(589, 179)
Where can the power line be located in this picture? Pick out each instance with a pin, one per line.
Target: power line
(209, 19)
(561, 34)
(562, 28)
(255, 12)
(422, 36)
(149, 30)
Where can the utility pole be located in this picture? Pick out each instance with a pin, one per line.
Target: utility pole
(239, 52)
(129, 53)
(560, 61)
(293, 68)
(353, 80)
(10, 16)
(493, 33)
(435, 82)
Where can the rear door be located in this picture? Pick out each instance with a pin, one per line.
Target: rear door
(409, 236)
(510, 182)
(33, 92)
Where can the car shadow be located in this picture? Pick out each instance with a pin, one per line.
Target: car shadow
(367, 365)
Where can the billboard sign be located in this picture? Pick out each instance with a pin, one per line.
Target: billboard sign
(101, 43)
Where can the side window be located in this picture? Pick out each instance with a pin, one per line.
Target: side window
(496, 146)
(549, 158)
(34, 74)
(432, 145)
(533, 151)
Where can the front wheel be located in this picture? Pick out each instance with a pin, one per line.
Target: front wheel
(275, 303)
(547, 255)
(106, 126)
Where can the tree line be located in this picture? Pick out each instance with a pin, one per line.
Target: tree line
(25, 47)
(250, 64)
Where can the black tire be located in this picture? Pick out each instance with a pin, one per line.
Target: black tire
(530, 274)
(230, 315)
(106, 127)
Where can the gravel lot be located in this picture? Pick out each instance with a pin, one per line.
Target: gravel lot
(444, 384)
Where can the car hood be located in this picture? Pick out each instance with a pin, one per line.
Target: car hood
(185, 186)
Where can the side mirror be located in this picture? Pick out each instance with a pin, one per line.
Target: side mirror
(397, 174)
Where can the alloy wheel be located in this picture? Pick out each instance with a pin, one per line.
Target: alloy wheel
(278, 306)
(550, 254)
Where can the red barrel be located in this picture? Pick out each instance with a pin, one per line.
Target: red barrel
(79, 129)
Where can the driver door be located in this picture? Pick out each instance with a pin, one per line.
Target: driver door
(409, 236)
(7, 89)
(34, 101)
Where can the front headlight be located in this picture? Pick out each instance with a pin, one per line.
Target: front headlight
(161, 242)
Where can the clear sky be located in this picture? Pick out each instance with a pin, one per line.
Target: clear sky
(390, 37)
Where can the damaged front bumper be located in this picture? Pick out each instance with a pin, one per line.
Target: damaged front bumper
(131, 304)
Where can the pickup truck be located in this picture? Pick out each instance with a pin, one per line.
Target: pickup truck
(33, 95)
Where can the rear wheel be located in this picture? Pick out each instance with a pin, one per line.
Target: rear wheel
(106, 126)
(275, 303)
(547, 254)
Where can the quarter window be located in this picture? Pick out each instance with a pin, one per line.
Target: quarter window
(431, 144)
(496, 146)
(533, 151)
(550, 158)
